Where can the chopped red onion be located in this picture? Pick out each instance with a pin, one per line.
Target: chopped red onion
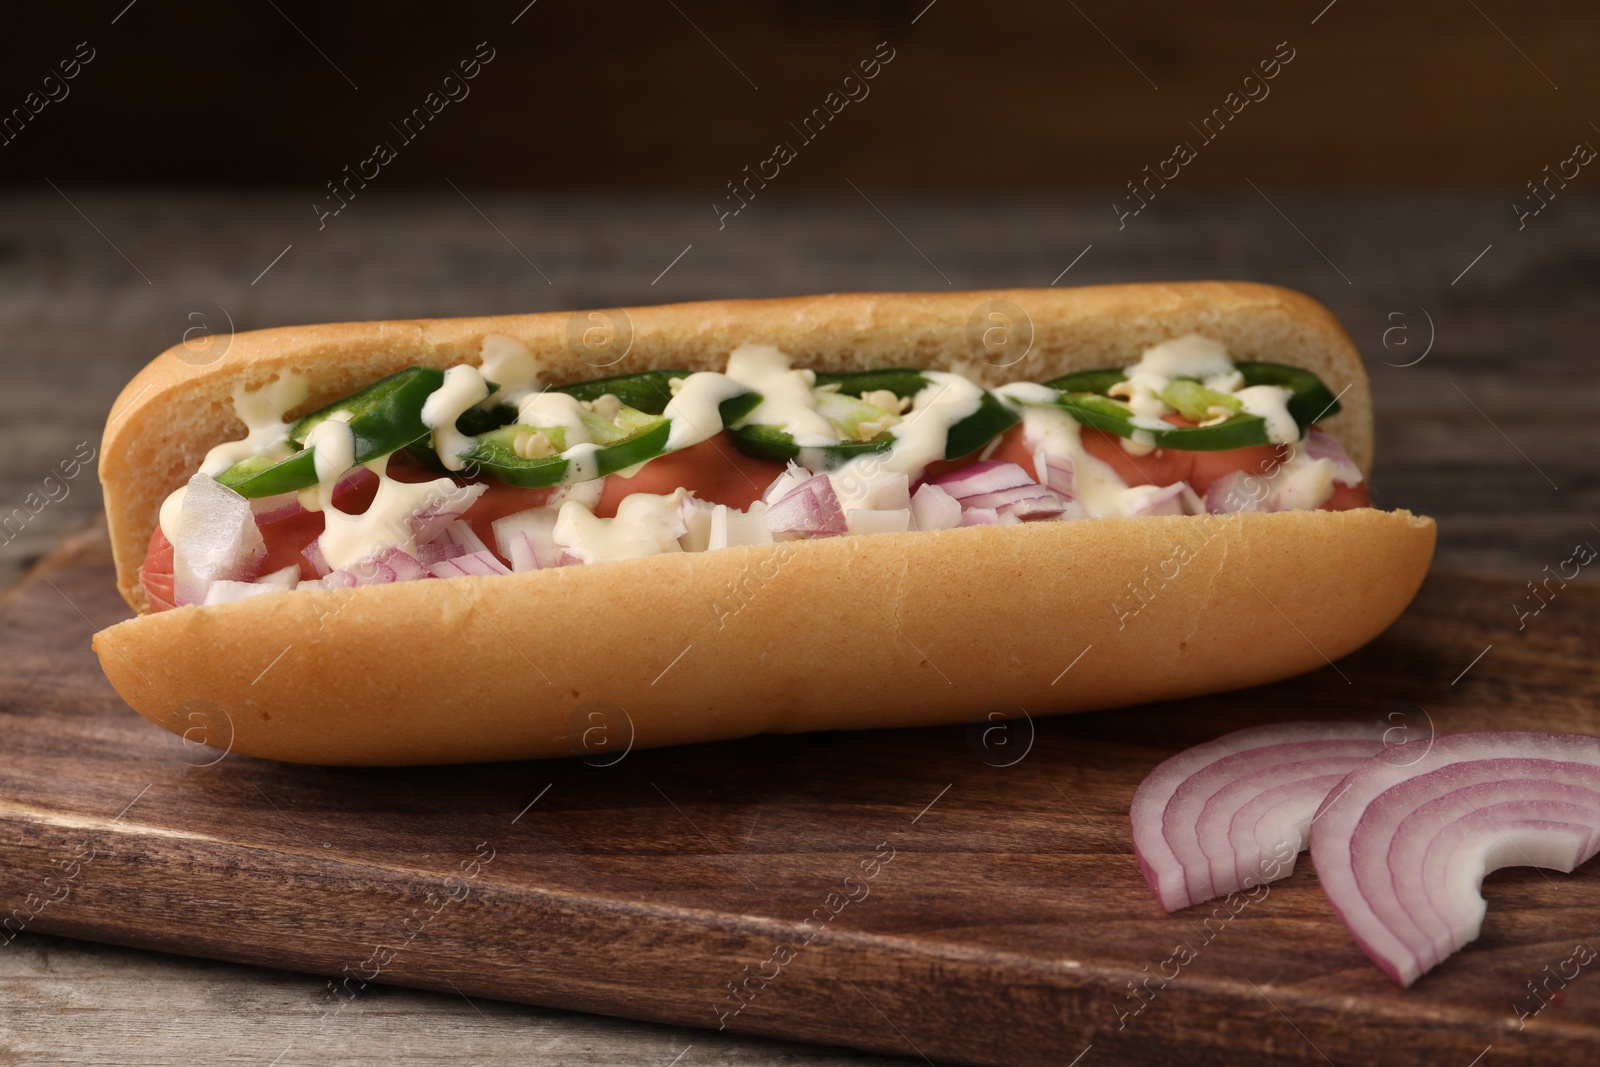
(988, 517)
(1236, 491)
(406, 567)
(1031, 501)
(1235, 812)
(862, 521)
(443, 509)
(934, 509)
(473, 564)
(811, 510)
(1057, 472)
(1402, 844)
(792, 478)
(731, 527)
(1176, 499)
(1320, 445)
(216, 540)
(269, 509)
(460, 533)
(437, 551)
(313, 555)
(983, 477)
(527, 539)
(227, 592)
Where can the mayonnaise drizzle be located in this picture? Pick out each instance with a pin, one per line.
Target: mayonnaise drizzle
(463, 388)
(507, 362)
(263, 413)
(693, 408)
(388, 520)
(548, 409)
(786, 396)
(646, 524)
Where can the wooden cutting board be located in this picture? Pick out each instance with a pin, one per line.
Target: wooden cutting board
(956, 894)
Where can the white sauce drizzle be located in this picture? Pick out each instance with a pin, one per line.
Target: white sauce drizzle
(386, 523)
(919, 439)
(786, 396)
(1271, 403)
(262, 412)
(646, 524)
(548, 409)
(463, 388)
(693, 408)
(507, 362)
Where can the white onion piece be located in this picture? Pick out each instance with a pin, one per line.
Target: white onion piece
(1175, 499)
(1319, 445)
(1234, 492)
(1057, 472)
(527, 539)
(862, 521)
(216, 540)
(1188, 847)
(461, 533)
(934, 509)
(695, 514)
(1402, 844)
(406, 567)
(473, 564)
(980, 478)
(792, 478)
(1026, 502)
(730, 527)
(812, 509)
(273, 508)
(226, 592)
(313, 555)
(427, 525)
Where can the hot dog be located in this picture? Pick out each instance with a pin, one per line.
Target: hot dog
(456, 540)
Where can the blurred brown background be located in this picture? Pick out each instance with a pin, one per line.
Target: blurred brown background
(1022, 94)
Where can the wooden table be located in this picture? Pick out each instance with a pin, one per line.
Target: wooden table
(1482, 372)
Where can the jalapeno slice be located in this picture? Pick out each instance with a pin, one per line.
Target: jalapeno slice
(638, 432)
(651, 392)
(963, 438)
(643, 437)
(384, 417)
(1082, 396)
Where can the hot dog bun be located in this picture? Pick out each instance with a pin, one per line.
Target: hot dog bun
(893, 629)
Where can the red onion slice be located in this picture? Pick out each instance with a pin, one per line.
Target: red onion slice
(1403, 843)
(1183, 814)
(527, 539)
(1175, 499)
(812, 510)
(1319, 445)
(1057, 472)
(982, 477)
(473, 564)
(1234, 492)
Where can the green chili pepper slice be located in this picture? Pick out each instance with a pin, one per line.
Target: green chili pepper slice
(964, 438)
(651, 392)
(1082, 396)
(384, 417)
(494, 453)
(638, 434)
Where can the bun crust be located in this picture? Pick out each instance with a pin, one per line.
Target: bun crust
(173, 411)
(853, 632)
